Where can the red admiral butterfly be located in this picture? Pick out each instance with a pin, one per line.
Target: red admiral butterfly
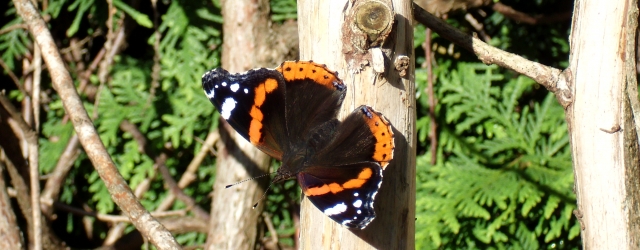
(290, 113)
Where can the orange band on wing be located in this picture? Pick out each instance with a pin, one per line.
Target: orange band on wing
(270, 85)
(382, 131)
(256, 125)
(301, 70)
(334, 188)
(261, 91)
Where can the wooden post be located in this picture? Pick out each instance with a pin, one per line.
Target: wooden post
(604, 143)
(370, 44)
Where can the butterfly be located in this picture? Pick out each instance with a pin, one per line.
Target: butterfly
(290, 113)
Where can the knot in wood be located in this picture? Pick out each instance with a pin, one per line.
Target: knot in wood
(374, 19)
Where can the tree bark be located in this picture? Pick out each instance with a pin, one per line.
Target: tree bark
(325, 39)
(603, 136)
(234, 224)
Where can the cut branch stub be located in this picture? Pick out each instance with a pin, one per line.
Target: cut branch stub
(374, 19)
(367, 25)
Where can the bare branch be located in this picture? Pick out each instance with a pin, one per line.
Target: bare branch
(62, 82)
(160, 160)
(116, 218)
(551, 78)
(52, 187)
(14, 27)
(177, 191)
(13, 77)
(189, 175)
(518, 16)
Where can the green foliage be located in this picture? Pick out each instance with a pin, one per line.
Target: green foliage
(503, 176)
(14, 43)
(171, 113)
(283, 10)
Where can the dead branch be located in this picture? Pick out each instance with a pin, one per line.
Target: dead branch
(522, 17)
(551, 78)
(53, 185)
(116, 218)
(189, 175)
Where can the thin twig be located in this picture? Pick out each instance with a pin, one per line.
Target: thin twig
(433, 124)
(13, 77)
(14, 27)
(164, 171)
(35, 90)
(176, 191)
(477, 26)
(52, 187)
(271, 228)
(89, 138)
(189, 174)
(522, 17)
(115, 218)
(155, 71)
(551, 78)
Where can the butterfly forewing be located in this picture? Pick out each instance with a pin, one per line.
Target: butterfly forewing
(314, 96)
(252, 103)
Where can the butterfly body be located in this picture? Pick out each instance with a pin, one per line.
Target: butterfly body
(291, 113)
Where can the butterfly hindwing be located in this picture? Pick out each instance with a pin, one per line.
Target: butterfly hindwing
(344, 193)
(364, 135)
(252, 103)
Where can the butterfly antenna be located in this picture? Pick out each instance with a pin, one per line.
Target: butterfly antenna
(263, 195)
(252, 178)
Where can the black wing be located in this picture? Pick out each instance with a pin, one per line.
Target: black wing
(365, 135)
(344, 193)
(314, 96)
(253, 104)
(344, 175)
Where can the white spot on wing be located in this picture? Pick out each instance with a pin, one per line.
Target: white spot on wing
(246, 91)
(228, 106)
(224, 84)
(357, 203)
(340, 208)
(234, 87)
(356, 194)
(359, 211)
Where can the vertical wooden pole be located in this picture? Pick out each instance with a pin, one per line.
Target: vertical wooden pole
(324, 39)
(603, 139)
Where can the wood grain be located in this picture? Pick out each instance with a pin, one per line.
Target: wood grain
(598, 122)
(320, 26)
